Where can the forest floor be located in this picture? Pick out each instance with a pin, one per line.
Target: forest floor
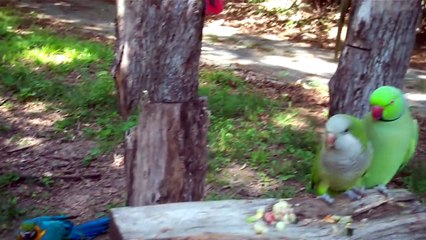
(61, 135)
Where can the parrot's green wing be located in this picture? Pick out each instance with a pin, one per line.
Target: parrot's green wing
(359, 131)
(314, 169)
(318, 186)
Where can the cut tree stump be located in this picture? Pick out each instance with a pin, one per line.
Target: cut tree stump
(170, 160)
(398, 216)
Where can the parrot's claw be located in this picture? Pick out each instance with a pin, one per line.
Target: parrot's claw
(382, 189)
(359, 190)
(326, 198)
(353, 195)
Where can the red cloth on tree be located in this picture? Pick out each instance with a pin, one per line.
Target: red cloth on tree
(214, 6)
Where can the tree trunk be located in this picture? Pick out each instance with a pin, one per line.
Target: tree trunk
(158, 51)
(156, 68)
(377, 52)
(169, 162)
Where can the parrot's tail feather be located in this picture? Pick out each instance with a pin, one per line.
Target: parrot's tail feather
(90, 229)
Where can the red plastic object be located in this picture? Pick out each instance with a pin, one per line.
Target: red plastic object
(214, 6)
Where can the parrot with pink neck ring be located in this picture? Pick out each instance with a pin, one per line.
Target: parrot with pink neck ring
(393, 133)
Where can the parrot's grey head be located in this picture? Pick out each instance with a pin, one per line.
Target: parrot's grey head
(338, 133)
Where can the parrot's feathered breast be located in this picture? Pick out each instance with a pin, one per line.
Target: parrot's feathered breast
(345, 169)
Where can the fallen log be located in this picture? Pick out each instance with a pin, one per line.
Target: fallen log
(398, 216)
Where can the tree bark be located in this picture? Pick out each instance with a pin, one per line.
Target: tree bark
(377, 51)
(157, 51)
(169, 163)
(156, 68)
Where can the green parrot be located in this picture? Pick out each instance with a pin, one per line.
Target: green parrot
(344, 156)
(393, 133)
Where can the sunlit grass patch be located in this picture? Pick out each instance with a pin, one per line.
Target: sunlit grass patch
(249, 128)
(46, 55)
(38, 66)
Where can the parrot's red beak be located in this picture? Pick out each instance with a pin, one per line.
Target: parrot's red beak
(377, 112)
(330, 139)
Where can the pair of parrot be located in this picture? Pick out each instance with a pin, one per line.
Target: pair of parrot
(60, 228)
(356, 154)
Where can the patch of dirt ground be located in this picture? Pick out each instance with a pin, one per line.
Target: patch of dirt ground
(54, 179)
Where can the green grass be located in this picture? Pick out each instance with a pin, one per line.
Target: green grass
(239, 135)
(37, 64)
(9, 209)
